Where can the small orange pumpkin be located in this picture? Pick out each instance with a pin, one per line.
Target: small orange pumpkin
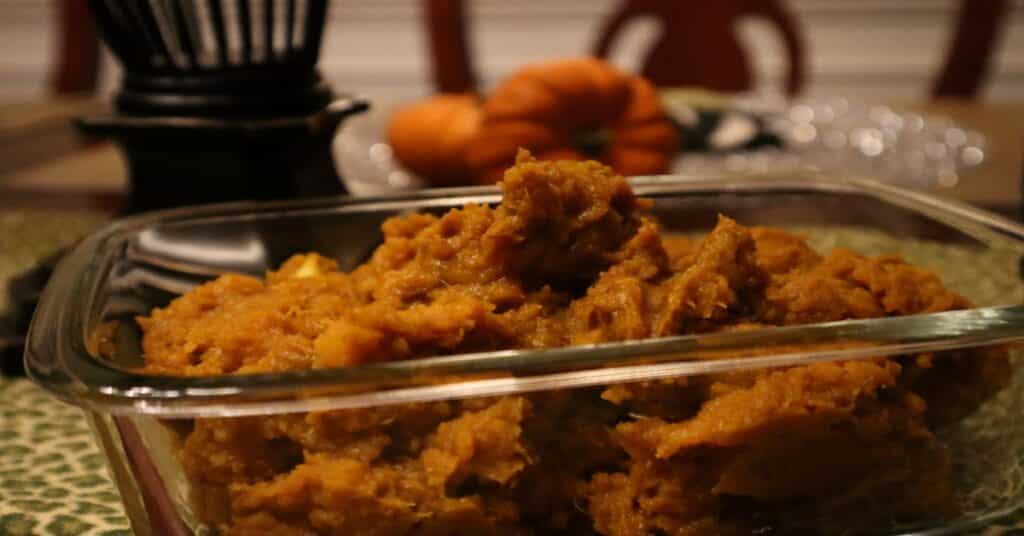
(573, 109)
(431, 137)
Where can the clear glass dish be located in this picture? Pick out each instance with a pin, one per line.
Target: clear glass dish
(137, 264)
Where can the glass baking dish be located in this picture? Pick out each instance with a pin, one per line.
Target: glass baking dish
(134, 265)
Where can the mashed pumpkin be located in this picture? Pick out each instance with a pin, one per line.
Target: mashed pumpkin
(569, 258)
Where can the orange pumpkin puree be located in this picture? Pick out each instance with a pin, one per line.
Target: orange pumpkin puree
(569, 258)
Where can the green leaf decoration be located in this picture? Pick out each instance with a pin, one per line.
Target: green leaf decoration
(73, 447)
(59, 470)
(117, 520)
(54, 493)
(23, 413)
(17, 525)
(17, 484)
(87, 481)
(67, 526)
(35, 505)
(9, 451)
(102, 496)
(90, 508)
(48, 458)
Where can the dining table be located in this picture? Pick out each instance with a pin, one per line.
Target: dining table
(57, 185)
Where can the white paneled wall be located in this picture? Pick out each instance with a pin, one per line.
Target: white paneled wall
(888, 49)
(26, 46)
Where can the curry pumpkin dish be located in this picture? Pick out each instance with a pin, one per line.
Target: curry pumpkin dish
(569, 257)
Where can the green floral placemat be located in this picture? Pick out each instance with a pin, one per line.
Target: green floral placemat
(53, 478)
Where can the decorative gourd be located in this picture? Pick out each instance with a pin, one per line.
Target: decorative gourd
(431, 137)
(573, 109)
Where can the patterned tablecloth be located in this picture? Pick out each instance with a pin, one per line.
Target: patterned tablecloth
(53, 478)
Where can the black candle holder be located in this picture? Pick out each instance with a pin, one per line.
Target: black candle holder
(176, 161)
(220, 104)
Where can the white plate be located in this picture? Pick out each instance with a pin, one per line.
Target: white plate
(836, 135)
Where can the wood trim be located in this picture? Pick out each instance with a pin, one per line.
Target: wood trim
(47, 200)
(447, 40)
(977, 28)
(78, 50)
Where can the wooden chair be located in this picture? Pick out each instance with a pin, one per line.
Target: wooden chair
(76, 69)
(978, 28)
(699, 45)
(450, 53)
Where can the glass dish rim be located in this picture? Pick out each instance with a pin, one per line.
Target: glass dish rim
(56, 356)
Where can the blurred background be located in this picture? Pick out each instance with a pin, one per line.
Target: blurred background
(891, 49)
(960, 61)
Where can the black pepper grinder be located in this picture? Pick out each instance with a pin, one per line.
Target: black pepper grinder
(220, 101)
